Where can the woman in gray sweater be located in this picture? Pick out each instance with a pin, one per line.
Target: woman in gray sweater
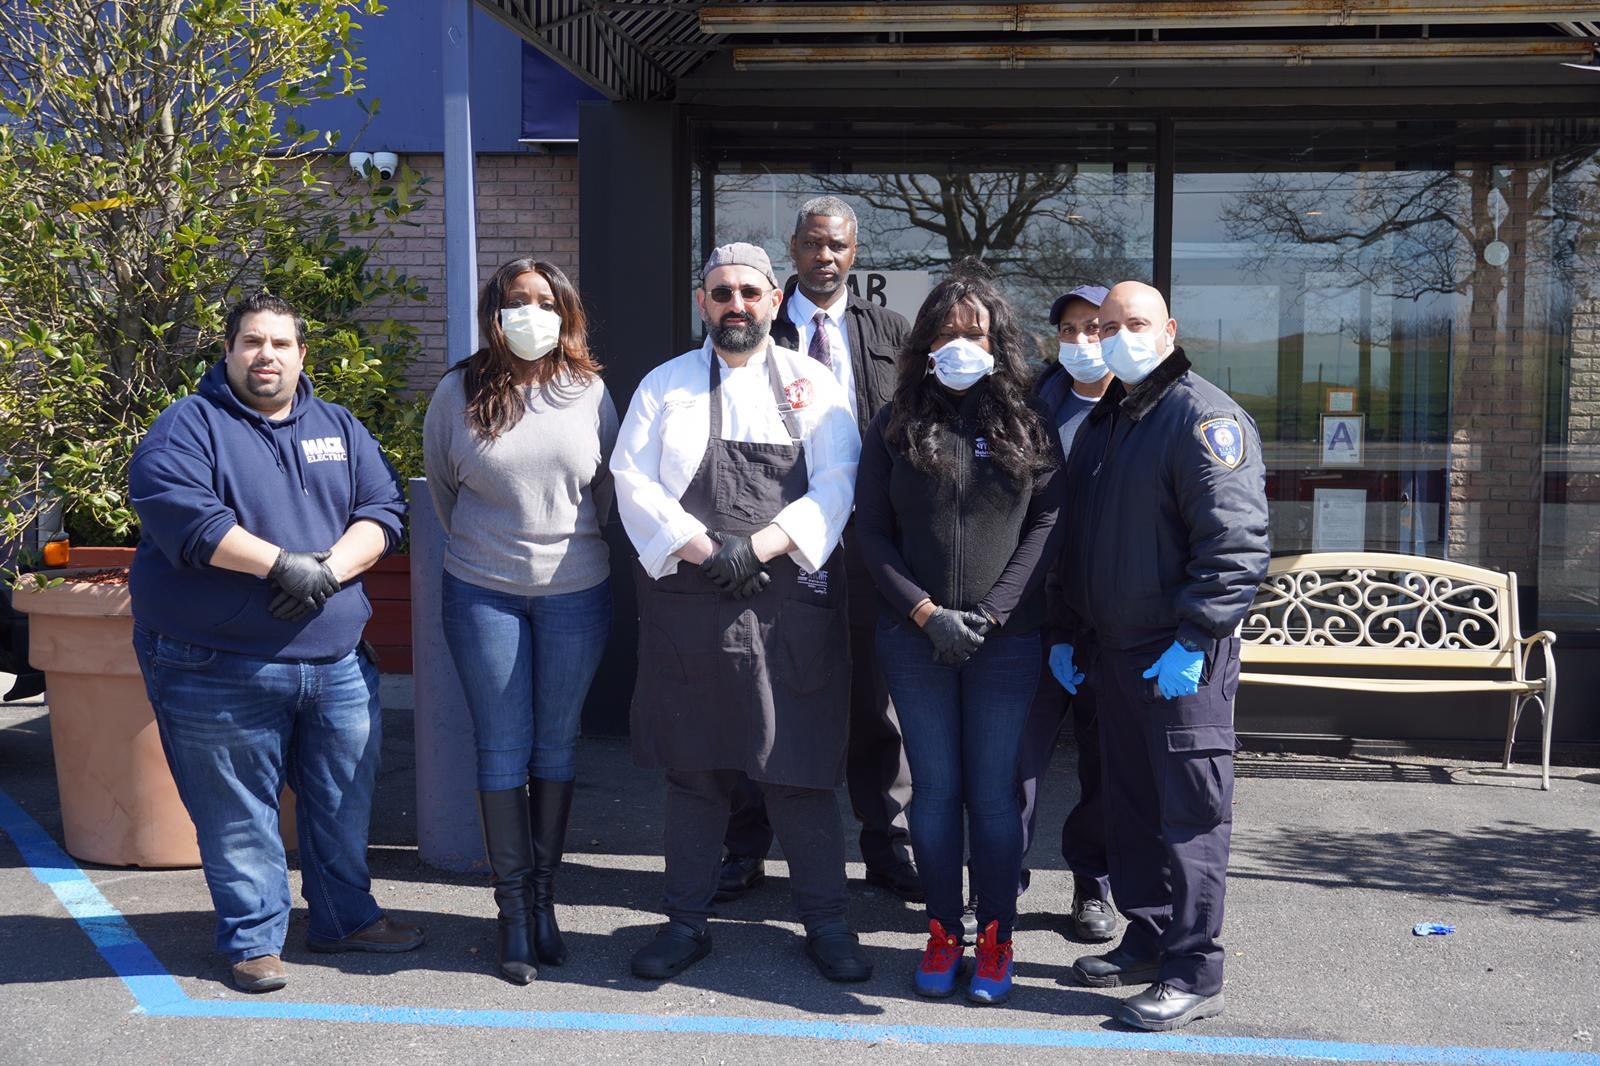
(516, 443)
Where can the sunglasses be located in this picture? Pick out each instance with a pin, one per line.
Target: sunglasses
(723, 294)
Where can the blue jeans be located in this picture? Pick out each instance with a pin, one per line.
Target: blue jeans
(963, 731)
(525, 664)
(235, 729)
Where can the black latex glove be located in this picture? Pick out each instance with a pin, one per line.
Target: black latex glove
(955, 635)
(760, 581)
(733, 566)
(304, 584)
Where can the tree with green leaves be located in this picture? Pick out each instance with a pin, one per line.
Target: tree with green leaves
(153, 171)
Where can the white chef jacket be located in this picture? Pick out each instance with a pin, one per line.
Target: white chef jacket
(802, 313)
(668, 425)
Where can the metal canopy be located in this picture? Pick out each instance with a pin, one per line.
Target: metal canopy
(639, 49)
(626, 49)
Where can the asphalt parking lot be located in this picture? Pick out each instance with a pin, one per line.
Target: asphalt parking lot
(1334, 862)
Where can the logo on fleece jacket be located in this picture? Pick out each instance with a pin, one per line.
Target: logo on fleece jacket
(324, 450)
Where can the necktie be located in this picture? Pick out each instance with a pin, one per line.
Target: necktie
(818, 348)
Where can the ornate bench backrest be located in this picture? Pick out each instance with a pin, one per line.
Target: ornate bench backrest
(1382, 609)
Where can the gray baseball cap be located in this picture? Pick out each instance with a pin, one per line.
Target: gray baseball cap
(740, 254)
(1094, 294)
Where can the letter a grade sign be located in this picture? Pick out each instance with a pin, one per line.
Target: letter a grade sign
(1341, 439)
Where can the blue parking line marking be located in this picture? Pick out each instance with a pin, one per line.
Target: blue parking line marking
(157, 993)
(152, 986)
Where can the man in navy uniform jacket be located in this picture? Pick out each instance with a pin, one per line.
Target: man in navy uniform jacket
(1165, 545)
(259, 505)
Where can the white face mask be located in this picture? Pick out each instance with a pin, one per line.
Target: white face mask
(960, 364)
(1083, 361)
(531, 331)
(1131, 356)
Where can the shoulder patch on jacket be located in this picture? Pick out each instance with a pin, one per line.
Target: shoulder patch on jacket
(1224, 440)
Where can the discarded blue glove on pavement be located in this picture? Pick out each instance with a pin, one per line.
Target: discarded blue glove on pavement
(1177, 672)
(1061, 666)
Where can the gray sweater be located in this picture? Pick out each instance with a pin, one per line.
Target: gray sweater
(524, 511)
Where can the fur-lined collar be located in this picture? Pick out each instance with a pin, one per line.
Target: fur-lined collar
(1143, 397)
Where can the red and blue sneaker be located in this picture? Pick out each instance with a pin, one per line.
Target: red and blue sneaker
(941, 961)
(991, 982)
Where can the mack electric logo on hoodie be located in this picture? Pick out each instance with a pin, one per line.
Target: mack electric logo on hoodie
(325, 450)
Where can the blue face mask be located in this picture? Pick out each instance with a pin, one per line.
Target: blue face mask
(1083, 361)
(960, 364)
(1131, 356)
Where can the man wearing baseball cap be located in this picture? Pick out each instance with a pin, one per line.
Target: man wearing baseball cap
(735, 473)
(1067, 391)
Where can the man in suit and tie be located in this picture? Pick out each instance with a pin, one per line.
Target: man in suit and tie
(859, 342)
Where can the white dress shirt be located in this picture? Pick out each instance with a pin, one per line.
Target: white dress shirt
(803, 313)
(664, 435)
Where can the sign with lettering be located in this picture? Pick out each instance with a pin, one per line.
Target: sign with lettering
(1341, 439)
(898, 290)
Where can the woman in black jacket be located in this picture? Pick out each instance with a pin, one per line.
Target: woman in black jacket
(956, 502)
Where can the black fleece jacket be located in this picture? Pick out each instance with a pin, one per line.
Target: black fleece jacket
(976, 541)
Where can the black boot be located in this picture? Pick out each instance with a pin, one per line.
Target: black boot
(506, 838)
(549, 804)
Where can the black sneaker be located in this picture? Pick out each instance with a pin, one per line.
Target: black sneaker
(901, 878)
(739, 874)
(1093, 920)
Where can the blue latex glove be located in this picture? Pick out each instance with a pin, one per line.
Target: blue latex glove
(1177, 672)
(1061, 666)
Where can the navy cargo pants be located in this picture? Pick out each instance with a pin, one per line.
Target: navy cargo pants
(1169, 810)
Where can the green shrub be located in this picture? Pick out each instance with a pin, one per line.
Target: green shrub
(152, 172)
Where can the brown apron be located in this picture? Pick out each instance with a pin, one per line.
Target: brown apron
(760, 685)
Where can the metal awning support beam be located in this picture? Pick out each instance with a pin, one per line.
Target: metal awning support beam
(913, 17)
(1184, 53)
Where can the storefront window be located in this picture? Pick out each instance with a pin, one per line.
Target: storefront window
(1318, 293)
(1045, 206)
(1409, 309)
(1402, 307)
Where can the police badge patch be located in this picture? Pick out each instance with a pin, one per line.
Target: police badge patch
(1224, 440)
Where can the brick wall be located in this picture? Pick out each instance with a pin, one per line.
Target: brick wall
(527, 205)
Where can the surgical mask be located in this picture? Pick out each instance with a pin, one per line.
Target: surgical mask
(1083, 361)
(960, 364)
(1131, 356)
(531, 331)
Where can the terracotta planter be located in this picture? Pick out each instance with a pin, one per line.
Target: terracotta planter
(119, 805)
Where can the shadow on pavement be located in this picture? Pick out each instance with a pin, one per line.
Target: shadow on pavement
(1528, 870)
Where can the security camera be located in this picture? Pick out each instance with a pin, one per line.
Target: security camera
(359, 162)
(386, 164)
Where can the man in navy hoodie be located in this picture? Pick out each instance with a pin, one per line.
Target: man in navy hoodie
(258, 505)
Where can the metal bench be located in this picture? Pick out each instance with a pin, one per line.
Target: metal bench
(1346, 615)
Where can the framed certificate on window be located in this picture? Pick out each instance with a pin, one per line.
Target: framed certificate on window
(1339, 401)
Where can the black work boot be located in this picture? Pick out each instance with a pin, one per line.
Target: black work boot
(510, 849)
(1115, 969)
(549, 804)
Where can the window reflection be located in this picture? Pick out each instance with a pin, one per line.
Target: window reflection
(1046, 207)
(1435, 281)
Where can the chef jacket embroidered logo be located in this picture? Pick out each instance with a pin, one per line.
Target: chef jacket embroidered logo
(980, 448)
(324, 450)
(798, 393)
(1224, 440)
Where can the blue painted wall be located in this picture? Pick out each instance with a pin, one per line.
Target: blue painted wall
(401, 48)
